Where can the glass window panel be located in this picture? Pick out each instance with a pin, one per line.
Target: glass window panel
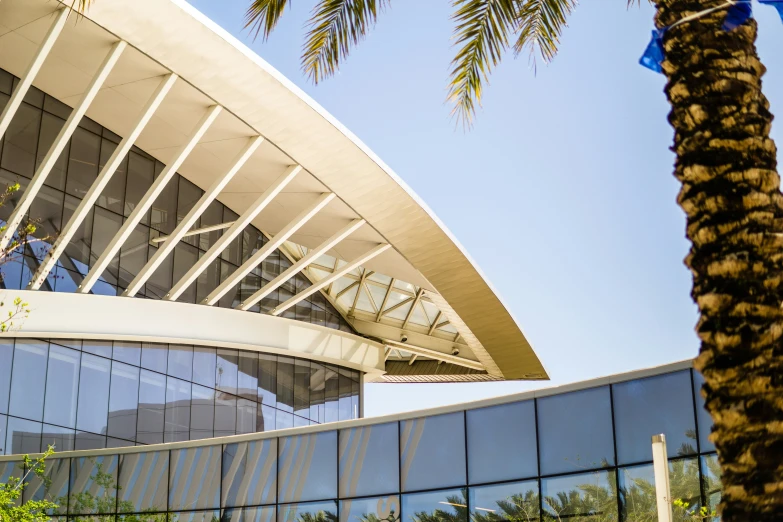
(83, 162)
(267, 379)
(363, 453)
(46, 212)
(247, 379)
(22, 436)
(195, 478)
(231, 298)
(111, 442)
(141, 171)
(27, 395)
(21, 140)
(502, 442)
(331, 388)
(512, 501)
(50, 128)
(123, 401)
(53, 487)
(252, 240)
(285, 384)
(213, 215)
(105, 226)
(93, 484)
(102, 348)
(6, 361)
(345, 396)
(208, 280)
(76, 257)
(202, 412)
(143, 481)
(227, 371)
(450, 504)
(152, 405)
(702, 415)
(266, 421)
(575, 431)
(646, 407)
(308, 467)
(711, 483)
(355, 396)
(310, 512)
(62, 386)
(180, 361)
(160, 281)
(246, 416)
(194, 516)
(302, 387)
(164, 209)
(133, 255)
(204, 366)
(284, 419)
(113, 195)
(11, 469)
(127, 352)
(93, 394)
(185, 256)
(433, 451)
(89, 441)
(300, 422)
(250, 473)
(637, 490)
(386, 509)
(225, 415)
(62, 439)
(317, 392)
(154, 357)
(177, 410)
(581, 498)
(188, 195)
(254, 514)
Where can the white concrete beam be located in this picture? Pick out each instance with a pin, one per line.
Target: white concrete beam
(302, 264)
(196, 232)
(190, 219)
(326, 281)
(416, 300)
(239, 225)
(59, 144)
(434, 354)
(273, 244)
(26, 81)
(85, 205)
(149, 198)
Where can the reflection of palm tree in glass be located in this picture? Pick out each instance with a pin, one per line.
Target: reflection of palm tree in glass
(519, 507)
(593, 502)
(318, 516)
(459, 513)
(639, 494)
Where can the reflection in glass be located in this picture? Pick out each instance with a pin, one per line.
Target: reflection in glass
(123, 401)
(204, 366)
(93, 394)
(711, 482)
(30, 357)
(575, 431)
(254, 514)
(227, 369)
(702, 415)
(62, 385)
(308, 512)
(433, 452)
(152, 405)
(581, 498)
(450, 505)
(144, 481)
(369, 462)
(177, 410)
(645, 407)
(6, 359)
(250, 473)
(195, 516)
(267, 379)
(127, 352)
(384, 509)
(93, 485)
(53, 487)
(202, 412)
(180, 361)
(155, 357)
(637, 491)
(308, 467)
(502, 442)
(516, 501)
(195, 478)
(61, 439)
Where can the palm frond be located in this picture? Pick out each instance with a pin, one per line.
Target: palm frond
(336, 26)
(263, 15)
(482, 35)
(541, 23)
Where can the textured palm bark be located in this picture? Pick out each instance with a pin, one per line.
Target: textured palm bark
(730, 193)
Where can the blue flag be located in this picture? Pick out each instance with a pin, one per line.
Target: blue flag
(777, 4)
(653, 55)
(736, 15)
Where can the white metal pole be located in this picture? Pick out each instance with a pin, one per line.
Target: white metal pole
(661, 469)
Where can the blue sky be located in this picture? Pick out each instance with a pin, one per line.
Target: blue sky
(562, 193)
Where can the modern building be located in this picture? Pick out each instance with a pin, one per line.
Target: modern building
(216, 258)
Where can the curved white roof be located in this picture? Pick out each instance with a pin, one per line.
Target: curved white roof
(443, 302)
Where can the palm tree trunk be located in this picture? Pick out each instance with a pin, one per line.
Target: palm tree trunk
(731, 196)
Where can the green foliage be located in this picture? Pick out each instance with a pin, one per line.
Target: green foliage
(11, 509)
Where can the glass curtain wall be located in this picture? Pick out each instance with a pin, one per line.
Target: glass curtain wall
(79, 395)
(24, 146)
(522, 461)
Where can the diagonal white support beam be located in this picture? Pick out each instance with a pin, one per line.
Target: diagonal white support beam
(434, 324)
(300, 265)
(434, 354)
(190, 219)
(413, 307)
(100, 183)
(273, 244)
(32, 70)
(385, 300)
(239, 225)
(326, 281)
(149, 198)
(197, 232)
(59, 143)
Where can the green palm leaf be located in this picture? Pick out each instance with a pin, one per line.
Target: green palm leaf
(262, 15)
(541, 23)
(336, 26)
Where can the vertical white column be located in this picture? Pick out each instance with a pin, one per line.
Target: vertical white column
(85, 205)
(59, 143)
(661, 470)
(32, 70)
(149, 198)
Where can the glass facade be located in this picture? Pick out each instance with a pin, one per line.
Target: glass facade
(104, 394)
(22, 149)
(435, 468)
